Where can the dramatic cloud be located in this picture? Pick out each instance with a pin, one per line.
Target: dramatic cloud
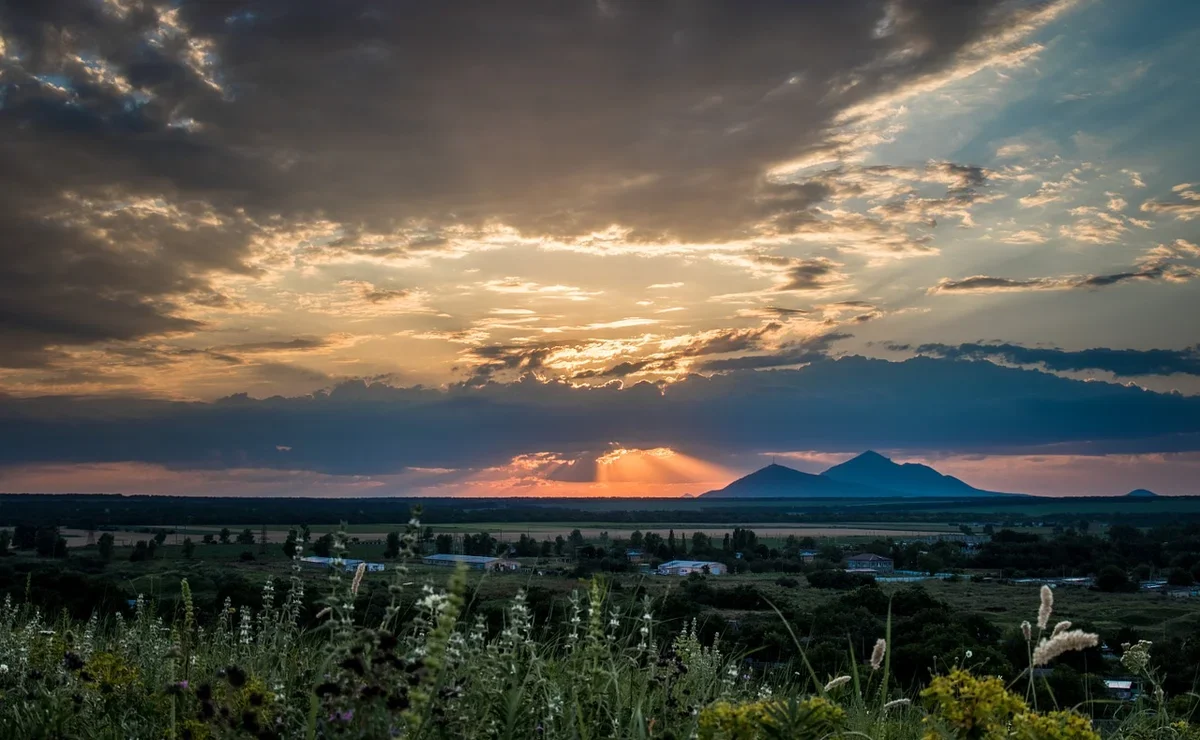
(152, 150)
(1185, 208)
(1122, 363)
(986, 284)
(835, 405)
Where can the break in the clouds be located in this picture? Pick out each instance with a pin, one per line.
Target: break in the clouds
(279, 197)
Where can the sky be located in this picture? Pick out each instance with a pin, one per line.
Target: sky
(596, 248)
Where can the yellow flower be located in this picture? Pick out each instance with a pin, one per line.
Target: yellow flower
(964, 706)
(810, 719)
(1053, 726)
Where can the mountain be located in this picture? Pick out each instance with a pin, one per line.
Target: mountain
(869, 475)
(778, 481)
(1141, 493)
(912, 479)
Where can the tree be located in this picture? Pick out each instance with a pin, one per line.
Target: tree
(5, 542)
(225, 535)
(444, 543)
(560, 546)
(290, 544)
(671, 541)
(575, 539)
(151, 549)
(393, 545)
(1180, 577)
(1112, 579)
(160, 537)
(305, 533)
(104, 546)
(208, 539)
(140, 551)
(323, 547)
(246, 537)
(189, 548)
(701, 543)
(24, 537)
(45, 541)
(635, 539)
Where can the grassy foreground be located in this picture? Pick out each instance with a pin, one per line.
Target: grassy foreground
(608, 674)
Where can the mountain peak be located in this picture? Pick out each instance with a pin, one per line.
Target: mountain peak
(1141, 493)
(879, 471)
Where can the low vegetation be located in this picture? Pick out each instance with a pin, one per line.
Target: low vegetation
(392, 656)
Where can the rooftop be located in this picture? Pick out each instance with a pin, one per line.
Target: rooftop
(869, 556)
(688, 564)
(451, 558)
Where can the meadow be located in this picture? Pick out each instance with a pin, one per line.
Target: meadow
(420, 665)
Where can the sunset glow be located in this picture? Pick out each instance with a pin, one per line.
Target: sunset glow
(616, 245)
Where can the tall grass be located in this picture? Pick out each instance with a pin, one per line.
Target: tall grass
(429, 673)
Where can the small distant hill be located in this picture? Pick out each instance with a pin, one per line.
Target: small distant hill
(1141, 493)
(869, 475)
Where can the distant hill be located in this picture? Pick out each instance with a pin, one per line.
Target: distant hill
(778, 481)
(869, 475)
(1141, 493)
(872, 469)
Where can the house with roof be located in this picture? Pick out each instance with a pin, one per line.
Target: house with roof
(869, 561)
(687, 567)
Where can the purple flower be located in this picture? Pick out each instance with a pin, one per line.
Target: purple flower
(345, 716)
(183, 685)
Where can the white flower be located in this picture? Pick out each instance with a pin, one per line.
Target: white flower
(3, 668)
(970, 655)
(839, 681)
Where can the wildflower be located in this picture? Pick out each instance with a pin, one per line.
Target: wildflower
(1062, 626)
(323, 613)
(358, 576)
(839, 681)
(1027, 630)
(969, 655)
(878, 653)
(1046, 608)
(3, 668)
(1136, 657)
(1063, 642)
(896, 703)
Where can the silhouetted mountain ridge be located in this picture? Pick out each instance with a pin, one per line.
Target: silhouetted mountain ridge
(868, 475)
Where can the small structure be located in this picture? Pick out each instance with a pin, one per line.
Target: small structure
(687, 567)
(1125, 689)
(807, 556)
(476, 562)
(869, 561)
(634, 555)
(347, 564)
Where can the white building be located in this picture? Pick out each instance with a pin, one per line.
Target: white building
(320, 562)
(687, 567)
(477, 562)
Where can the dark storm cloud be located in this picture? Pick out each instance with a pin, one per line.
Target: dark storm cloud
(1123, 363)
(847, 403)
(987, 284)
(399, 119)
